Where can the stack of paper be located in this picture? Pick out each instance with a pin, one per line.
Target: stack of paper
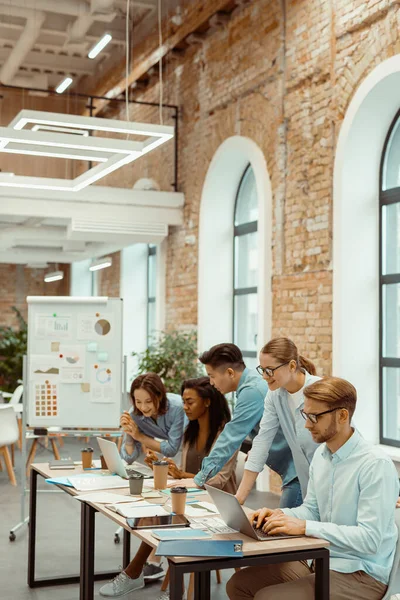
(200, 509)
(97, 482)
(107, 498)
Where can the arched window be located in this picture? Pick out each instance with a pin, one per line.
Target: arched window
(390, 288)
(151, 291)
(245, 268)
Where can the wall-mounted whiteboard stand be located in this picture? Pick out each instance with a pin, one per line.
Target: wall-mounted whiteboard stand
(75, 370)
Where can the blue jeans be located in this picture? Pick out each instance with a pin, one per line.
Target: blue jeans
(291, 495)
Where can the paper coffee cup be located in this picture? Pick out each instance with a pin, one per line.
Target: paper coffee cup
(160, 472)
(135, 484)
(178, 499)
(87, 455)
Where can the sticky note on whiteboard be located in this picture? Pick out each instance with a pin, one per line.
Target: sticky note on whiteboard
(102, 356)
(55, 346)
(85, 387)
(91, 347)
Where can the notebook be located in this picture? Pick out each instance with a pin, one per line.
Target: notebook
(180, 534)
(62, 463)
(219, 548)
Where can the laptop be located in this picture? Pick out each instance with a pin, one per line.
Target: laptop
(115, 464)
(235, 517)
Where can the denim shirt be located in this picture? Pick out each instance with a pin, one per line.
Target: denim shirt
(350, 502)
(169, 427)
(277, 413)
(246, 416)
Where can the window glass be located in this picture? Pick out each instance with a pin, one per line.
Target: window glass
(245, 309)
(246, 260)
(247, 201)
(391, 165)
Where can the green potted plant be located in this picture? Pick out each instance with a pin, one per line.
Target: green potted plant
(13, 347)
(173, 356)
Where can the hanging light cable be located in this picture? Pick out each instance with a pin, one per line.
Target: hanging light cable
(127, 60)
(160, 41)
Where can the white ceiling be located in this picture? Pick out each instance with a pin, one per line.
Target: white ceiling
(42, 41)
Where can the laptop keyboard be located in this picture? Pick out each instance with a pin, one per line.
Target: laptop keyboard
(262, 535)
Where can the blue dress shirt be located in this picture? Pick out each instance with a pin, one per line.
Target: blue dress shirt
(168, 427)
(247, 414)
(350, 503)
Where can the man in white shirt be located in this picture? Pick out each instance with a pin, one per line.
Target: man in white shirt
(352, 492)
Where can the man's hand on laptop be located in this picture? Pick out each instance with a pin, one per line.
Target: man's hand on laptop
(258, 517)
(279, 523)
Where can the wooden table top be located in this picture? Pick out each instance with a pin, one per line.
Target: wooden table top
(250, 547)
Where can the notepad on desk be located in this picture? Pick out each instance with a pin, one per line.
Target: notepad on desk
(218, 548)
(86, 482)
(200, 509)
(185, 533)
(138, 510)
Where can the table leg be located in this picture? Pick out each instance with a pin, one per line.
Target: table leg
(32, 528)
(90, 513)
(322, 576)
(82, 582)
(126, 555)
(202, 585)
(175, 582)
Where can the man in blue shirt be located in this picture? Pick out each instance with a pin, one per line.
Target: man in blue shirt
(350, 502)
(228, 373)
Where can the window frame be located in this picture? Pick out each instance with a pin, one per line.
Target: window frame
(239, 230)
(151, 251)
(386, 198)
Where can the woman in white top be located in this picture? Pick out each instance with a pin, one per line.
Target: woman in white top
(287, 374)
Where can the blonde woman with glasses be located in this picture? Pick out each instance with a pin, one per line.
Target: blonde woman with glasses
(287, 373)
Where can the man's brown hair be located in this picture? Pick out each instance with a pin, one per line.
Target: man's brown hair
(333, 391)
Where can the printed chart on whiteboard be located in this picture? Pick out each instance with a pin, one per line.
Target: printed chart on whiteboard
(53, 326)
(103, 383)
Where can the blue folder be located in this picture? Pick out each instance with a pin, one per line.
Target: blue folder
(218, 548)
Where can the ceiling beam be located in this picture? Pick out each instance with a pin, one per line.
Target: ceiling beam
(148, 53)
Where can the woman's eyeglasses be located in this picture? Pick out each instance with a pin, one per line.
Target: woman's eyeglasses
(313, 418)
(269, 372)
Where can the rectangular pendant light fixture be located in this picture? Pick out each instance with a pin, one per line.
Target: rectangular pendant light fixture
(55, 135)
(106, 39)
(63, 85)
(101, 263)
(53, 276)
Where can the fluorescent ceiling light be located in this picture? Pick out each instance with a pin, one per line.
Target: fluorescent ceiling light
(53, 276)
(101, 263)
(63, 85)
(100, 45)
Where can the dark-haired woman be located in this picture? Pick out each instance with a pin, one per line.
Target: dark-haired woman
(154, 414)
(208, 412)
(287, 373)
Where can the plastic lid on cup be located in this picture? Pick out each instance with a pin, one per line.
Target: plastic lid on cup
(88, 449)
(161, 463)
(179, 490)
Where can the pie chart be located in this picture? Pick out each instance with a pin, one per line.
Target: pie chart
(102, 327)
(72, 360)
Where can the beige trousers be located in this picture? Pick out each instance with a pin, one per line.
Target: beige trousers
(286, 581)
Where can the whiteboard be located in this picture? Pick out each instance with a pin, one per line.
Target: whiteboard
(75, 367)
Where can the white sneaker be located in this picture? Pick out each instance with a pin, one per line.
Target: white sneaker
(165, 596)
(121, 585)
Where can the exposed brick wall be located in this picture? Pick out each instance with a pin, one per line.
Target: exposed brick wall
(109, 279)
(18, 282)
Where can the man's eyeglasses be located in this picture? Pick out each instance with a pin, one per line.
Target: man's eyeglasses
(313, 418)
(269, 372)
